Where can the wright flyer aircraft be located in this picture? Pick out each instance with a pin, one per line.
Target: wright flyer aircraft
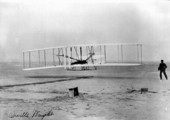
(83, 57)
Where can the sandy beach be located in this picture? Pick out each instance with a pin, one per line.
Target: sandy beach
(109, 93)
(109, 49)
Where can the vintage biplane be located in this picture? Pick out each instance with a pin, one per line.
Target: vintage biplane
(83, 57)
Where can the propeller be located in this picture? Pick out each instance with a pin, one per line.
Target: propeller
(91, 54)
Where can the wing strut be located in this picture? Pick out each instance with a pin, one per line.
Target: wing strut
(141, 53)
(122, 53)
(53, 56)
(39, 57)
(105, 52)
(23, 60)
(44, 57)
(30, 59)
(80, 53)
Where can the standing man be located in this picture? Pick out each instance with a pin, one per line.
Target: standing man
(162, 68)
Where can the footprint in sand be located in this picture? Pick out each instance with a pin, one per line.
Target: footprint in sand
(88, 108)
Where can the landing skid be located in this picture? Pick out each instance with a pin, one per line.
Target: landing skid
(82, 68)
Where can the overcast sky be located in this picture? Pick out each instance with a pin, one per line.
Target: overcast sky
(34, 24)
